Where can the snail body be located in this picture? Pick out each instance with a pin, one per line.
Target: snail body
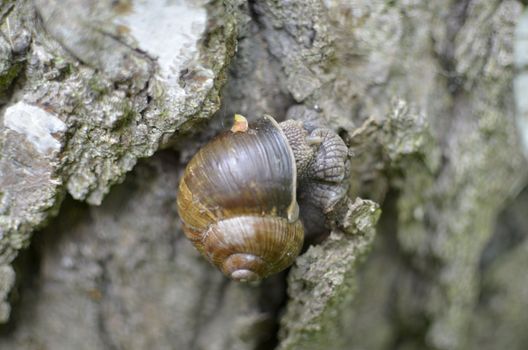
(238, 196)
(237, 200)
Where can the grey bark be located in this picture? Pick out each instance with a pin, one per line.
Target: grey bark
(427, 252)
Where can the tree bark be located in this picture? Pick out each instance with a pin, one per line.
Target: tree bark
(104, 102)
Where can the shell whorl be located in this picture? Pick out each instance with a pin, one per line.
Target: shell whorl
(253, 247)
(237, 200)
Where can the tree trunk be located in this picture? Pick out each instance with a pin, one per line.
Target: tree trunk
(104, 102)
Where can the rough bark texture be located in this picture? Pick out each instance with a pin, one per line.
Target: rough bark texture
(429, 96)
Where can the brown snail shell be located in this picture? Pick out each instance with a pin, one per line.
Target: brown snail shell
(237, 200)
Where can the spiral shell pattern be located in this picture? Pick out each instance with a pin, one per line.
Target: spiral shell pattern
(237, 201)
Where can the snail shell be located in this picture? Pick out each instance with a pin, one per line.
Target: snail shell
(237, 200)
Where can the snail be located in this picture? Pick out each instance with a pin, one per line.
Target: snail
(237, 198)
